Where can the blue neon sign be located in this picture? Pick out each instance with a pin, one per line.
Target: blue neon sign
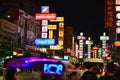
(53, 69)
(44, 42)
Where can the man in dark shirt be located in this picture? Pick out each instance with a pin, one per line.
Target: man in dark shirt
(110, 72)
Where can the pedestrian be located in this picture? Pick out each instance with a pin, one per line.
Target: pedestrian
(118, 71)
(110, 72)
(10, 74)
(89, 75)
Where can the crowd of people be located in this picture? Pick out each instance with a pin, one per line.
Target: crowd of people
(88, 72)
(109, 72)
(10, 74)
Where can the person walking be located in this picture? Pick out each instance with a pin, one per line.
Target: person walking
(10, 74)
(89, 75)
(110, 72)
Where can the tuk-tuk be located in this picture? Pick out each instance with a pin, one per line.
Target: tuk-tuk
(36, 68)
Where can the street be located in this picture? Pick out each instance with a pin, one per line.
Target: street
(26, 76)
(1, 77)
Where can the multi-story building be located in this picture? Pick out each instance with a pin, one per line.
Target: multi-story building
(8, 21)
(18, 28)
(28, 6)
(68, 40)
(8, 32)
(28, 29)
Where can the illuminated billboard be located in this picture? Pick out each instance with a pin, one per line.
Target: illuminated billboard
(44, 35)
(56, 47)
(117, 8)
(53, 27)
(44, 42)
(59, 19)
(43, 16)
(45, 9)
(118, 22)
(110, 14)
(117, 43)
(118, 30)
(61, 33)
(118, 15)
(104, 38)
(50, 33)
(44, 22)
(117, 2)
(44, 29)
(60, 42)
(56, 69)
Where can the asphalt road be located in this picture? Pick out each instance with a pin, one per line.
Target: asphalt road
(26, 76)
(1, 77)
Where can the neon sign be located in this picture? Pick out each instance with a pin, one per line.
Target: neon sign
(53, 69)
(44, 42)
(42, 16)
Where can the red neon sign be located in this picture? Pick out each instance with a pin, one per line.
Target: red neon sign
(42, 16)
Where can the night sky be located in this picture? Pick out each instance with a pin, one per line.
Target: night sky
(85, 16)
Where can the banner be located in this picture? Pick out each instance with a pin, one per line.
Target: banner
(110, 21)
